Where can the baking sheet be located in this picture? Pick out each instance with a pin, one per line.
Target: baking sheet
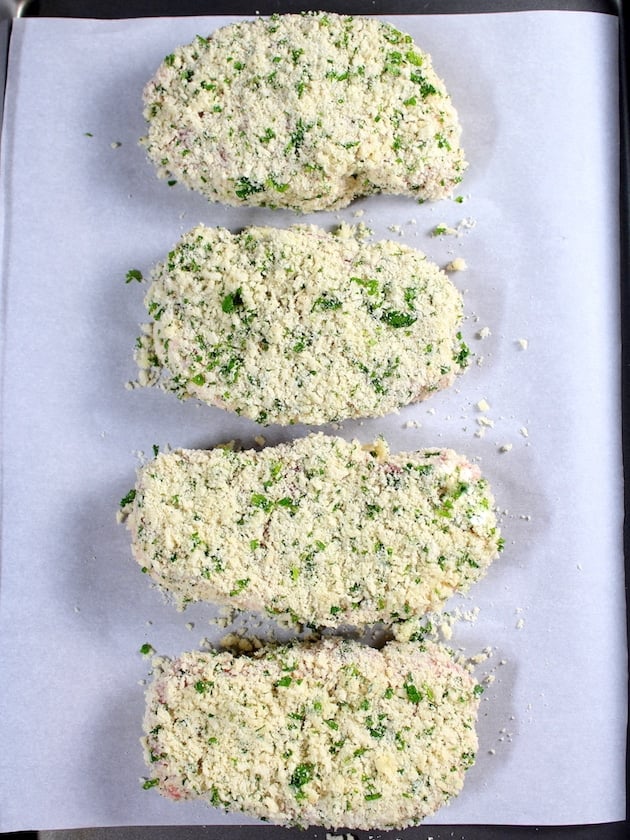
(538, 228)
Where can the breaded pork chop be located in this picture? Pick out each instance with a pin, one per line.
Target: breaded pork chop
(300, 325)
(305, 112)
(333, 733)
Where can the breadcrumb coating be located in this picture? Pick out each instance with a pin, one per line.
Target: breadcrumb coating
(319, 531)
(333, 733)
(303, 111)
(300, 325)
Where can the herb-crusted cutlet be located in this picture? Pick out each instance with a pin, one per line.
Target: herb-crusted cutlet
(333, 734)
(300, 325)
(305, 112)
(320, 530)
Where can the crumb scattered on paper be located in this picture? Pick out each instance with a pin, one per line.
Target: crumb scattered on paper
(443, 230)
(485, 421)
(482, 656)
(458, 264)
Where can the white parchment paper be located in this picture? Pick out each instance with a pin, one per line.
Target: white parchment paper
(538, 228)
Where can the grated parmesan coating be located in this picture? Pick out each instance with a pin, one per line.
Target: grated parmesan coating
(304, 112)
(320, 531)
(332, 734)
(300, 325)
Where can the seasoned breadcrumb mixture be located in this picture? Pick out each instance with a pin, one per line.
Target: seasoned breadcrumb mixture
(319, 530)
(308, 112)
(305, 112)
(300, 325)
(333, 734)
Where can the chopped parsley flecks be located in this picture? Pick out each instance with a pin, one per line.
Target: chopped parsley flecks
(276, 115)
(273, 530)
(338, 321)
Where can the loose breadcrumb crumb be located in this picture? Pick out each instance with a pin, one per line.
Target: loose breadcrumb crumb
(443, 229)
(458, 264)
